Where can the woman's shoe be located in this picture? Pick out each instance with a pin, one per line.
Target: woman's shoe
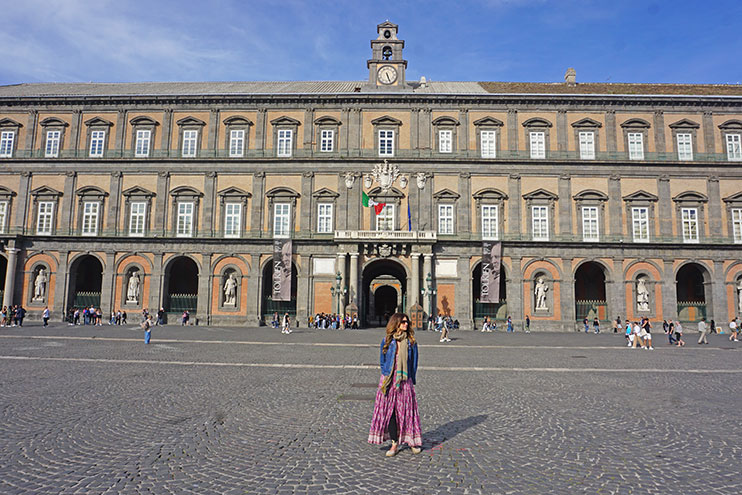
(416, 450)
(392, 450)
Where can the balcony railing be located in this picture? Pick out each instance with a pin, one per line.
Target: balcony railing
(385, 235)
(304, 153)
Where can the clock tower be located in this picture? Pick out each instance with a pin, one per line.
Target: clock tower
(386, 68)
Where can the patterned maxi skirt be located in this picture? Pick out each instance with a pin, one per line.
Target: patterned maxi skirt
(402, 401)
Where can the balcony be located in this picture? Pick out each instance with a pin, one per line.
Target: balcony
(424, 236)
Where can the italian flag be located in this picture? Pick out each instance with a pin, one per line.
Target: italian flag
(370, 202)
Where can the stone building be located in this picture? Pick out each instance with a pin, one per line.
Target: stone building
(625, 199)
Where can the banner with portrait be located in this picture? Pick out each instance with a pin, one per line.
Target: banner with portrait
(490, 280)
(281, 270)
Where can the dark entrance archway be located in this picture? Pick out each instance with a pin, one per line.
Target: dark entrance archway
(691, 292)
(86, 280)
(481, 309)
(389, 277)
(268, 306)
(181, 285)
(590, 299)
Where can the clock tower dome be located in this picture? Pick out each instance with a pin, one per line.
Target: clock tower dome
(386, 69)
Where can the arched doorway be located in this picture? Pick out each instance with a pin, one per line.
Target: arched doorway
(268, 305)
(181, 285)
(86, 280)
(691, 292)
(383, 291)
(590, 300)
(498, 310)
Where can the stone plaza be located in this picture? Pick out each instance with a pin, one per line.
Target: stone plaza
(233, 410)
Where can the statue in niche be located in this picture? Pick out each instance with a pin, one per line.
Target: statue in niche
(39, 285)
(132, 289)
(540, 291)
(642, 295)
(230, 290)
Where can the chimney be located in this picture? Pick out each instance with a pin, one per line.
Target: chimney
(570, 77)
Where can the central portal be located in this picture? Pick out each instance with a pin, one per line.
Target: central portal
(383, 291)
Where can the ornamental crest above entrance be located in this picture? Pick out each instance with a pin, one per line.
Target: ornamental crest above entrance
(385, 174)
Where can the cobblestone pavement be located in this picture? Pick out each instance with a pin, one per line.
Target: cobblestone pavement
(225, 410)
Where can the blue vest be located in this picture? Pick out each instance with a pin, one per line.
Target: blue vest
(387, 360)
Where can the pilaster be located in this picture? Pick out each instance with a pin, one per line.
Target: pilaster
(463, 306)
(669, 291)
(341, 213)
(114, 205)
(616, 291)
(664, 207)
(309, 215)
(156, 283)
(67, 208)
(353, 288)
(610, 131)
(565, 207)
(659, 131)
(167, 129)
(415, 128)
(107, 285)
(718, 294)
(302, 290)
(567, 298)
(343, 131)
(463, 206)
(308, 129)
(561, 129)
(161, 203)
(716, 230)
(426, 204)
(203, 313)
(258, 190)
(512, 130)
(75, 130)
(615, 207)
(10, 275)
(213, 137)
(463, 130)
(426, 123)
(253, 292)
(209, 215)
(514, 206)
(120, 130)
(33, 123)
(22, 207)
(514, 288)
(61, 285)
(260, 130)
(708, 133)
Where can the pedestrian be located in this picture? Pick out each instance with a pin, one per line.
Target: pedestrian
(286, 324)
(596, 325)
(679, 334)
(670, 332)
(486, 324)
(123, 317)
(510, 325)
(712, 326)
(586, 325)
(639, 335)
(45, 316)
(161, 316)
(647, 326)
(444, 331)
(703, 331)
(528, 324)
(629, 333)
(99, 317)
(617, 324)
(147, 327)
(396, 416)
(20, 313)
(184, 318)
(4, 316)
(733, 329)
(76, 317)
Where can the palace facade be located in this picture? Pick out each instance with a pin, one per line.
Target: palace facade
(626, 199)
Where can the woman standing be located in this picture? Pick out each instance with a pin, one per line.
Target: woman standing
(395, 411)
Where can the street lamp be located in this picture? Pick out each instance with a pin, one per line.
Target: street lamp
(428, 292)
(338, 290)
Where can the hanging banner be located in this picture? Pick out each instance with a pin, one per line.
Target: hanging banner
(490, 282)
(281, 270)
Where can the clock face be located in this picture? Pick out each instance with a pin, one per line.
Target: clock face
(387, 74)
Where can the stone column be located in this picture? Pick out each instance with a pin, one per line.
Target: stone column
(161, 203)
(708, 133)
(302, 291)
(213, 137)
(209, 214)
(66, 212)
(354, 221)
(308, 129)
(664, 207)
(669, 291)
(463, 303)
(425, 122)
(463, 130)
(156, 297)
(514, 289)
(615, 207)
(415, 129)
(415, 285)
(21, 212)
(561, 130)
(114, 206)
(256, 215)
(427, 270)
(340, 267)
(167, 129)
(567, 299)
(120, 132)
(309, 215)
(9, 288)
(514, 204)
(260, 130)
(353, 287)
(108, 284)
(341, 212)
(204, 291)
(565, 207)
(33, 121)
(343, 131)
(512, 126)
(616, 291)
(659, 131)
(714, 214)
(610, 131)
(61, 287)
(463, 206)
(254, 293)
(425, 201)
(75, 131)
(719, 294)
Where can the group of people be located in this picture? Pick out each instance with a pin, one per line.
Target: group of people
(489, 325)
(87, 316)
(639, 334)
(118, 318)
(332, 321)
(13, 316)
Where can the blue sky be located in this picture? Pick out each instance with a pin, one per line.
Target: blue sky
(671, 41)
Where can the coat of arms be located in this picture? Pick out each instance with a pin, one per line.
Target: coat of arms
(385, 174)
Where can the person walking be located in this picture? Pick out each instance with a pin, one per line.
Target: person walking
(486, 324)
(586, 325)
(396, 415)
(286, 324)
(703, 330)
(596, 325)
(733, 329)
(647, 334)
(510, 325)
(679, 334)
(147, 327)
(45, 316)
(528, 324)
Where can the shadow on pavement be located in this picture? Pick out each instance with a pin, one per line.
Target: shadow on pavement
(449, 430)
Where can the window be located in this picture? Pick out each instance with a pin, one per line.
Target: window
(237, 143)
(636, 146)
(445, 219)
(324, 218)
(590, 232)
(385, 219)
(190, 138)
(540, 219)
(44, 218)
(685, 146)
(90, 218)
(97, 139)
(690, 224)
(445, 141)
(137, 218)
(488, 144)
(52, 144)
(285, 139)
(232, 219)
(3, 216)
(538, 145)
(640, 223)
(327, 140)
(587, 145)
(489, 222)
(281, 218)
(386, 143)
(185, 218)
(737, 225)
(734, 147)
(142, 144)
(6, 144)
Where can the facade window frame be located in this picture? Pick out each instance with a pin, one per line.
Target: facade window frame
(636, 126)
(6, 200)
(87, 197)
(641, 199)
(690, 200)
(97, 136)
(190, 124)
(232, 124)
(734, 216)
(391, 197)
(386, 124)
(9, 132)
(282, 195)
(41, 195)
(445, 126)
(590, 198)
(487, 125)
(138, 124)
(448, 199)
(181, 195)
(323, 126)
(53, 125)
(731, 137)
(325, 217)
(587, 125)
(323, 196)
(682, 130)
(280, 126)
(532, 127)
(133, 195)
(541, 198)
(490, 197)
(233, 195)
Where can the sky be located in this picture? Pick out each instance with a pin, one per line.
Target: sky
(668, 41)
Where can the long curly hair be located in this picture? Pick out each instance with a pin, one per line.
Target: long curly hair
(392, 327)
